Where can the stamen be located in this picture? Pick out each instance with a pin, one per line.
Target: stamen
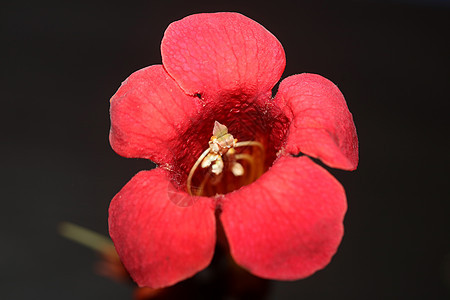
(237, 169)
(217, 166)
(250, 143)
(222, 143)
(191, 173)
(248, 158)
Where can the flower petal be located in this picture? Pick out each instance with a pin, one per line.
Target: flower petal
(147, 113)
(222, 53)
(321, 124)
(288, 223)
(159, 242)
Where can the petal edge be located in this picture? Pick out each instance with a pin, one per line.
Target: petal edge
(159, 242)
(290, 230)
(321, 124)
(216, 53)
(147, 113)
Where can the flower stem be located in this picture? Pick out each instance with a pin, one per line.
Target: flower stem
(84, 236)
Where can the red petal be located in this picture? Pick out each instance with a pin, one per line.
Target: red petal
(147, 113)
(288, 223)
(321, 124)
(159, 242)
(222, 53)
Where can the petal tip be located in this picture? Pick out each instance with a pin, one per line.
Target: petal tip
(321, 124)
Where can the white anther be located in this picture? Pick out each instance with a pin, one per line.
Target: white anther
(214, 146)
(237, 169)
(217, 167)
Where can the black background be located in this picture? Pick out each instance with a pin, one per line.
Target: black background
(61, 62)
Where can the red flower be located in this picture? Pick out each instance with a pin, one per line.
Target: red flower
(286, 224)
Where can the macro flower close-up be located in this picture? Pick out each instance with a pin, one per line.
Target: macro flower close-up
(231, 157)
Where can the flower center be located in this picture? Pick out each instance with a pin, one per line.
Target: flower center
(237, 153)
(226, 161)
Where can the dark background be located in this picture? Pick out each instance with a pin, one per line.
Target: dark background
(61, 62)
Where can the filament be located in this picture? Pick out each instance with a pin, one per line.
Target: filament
(251, 172)
(191, 173)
